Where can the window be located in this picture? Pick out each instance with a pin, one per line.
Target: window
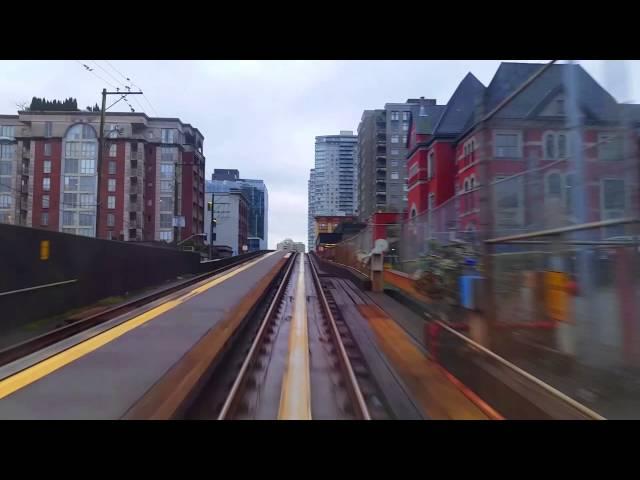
(71, 183)
(7, 131)
(609, 147)
(167, 135)
(405, 127)
(166, 236)
(44, 219)
(7, 151)
(562, 146)
(507, 145)
(109, 234)
(431, 165)
(87, 183)
(68, 217)
(46, 184)
(113, 131)
(112, 167)
(87, 200)
(71, 165)
(87, 167)
(472, 183)
(395, 138)
(70, 200)
(166, 186)
(45, 201)
(404, 139)
(613, 194)
(394, 116)
(48, 128)
(111, 202)
(6, 201)
(166, 170)
(394, 163)
(395, 151)
(405, 116)
(432, 201)
(165, 220)
(5, 185)
(111, 219)
(5, 168)
(46, 166)
(88, 150)
(111, 185)
(394, 176)
(554, 187)
(549, 146)
(113, 148)
(47, 149)
(166, 204)
(86, 219)
(413, 169)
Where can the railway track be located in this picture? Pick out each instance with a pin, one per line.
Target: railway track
(33, 345)
(296, 361)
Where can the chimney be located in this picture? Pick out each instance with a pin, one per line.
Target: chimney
(423, 112)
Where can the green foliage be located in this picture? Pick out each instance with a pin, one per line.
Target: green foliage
(42, 105)
(441, 269)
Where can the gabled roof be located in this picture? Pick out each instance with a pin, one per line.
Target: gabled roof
(631, 113)
(593, 100)
(461, 107)
(506, 80)
(426, 123)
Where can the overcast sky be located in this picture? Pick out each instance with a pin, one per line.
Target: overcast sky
(262, 117)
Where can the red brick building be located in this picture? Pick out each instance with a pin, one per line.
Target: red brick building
(513, 135)
(49, 174)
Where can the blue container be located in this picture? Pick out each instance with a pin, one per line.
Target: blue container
(468, 286)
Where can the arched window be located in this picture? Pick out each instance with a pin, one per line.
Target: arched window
(554, 185)
(562, 146)
(413, 212)
(549, 146)
(78, 205)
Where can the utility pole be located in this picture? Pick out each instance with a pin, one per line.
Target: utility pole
(101, 144)
(176, 228)
(211, 225)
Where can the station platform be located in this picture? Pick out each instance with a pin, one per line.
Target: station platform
(116, 373)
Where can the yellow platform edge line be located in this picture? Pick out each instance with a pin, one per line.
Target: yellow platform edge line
(295, 398)
(36, 372)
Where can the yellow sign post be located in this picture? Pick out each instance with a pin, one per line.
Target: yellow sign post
(556, 295)
(44, 250)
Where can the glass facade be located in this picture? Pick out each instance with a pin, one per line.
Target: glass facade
(257, 197)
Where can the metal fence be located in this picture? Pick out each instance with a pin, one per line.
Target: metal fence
(564, 305)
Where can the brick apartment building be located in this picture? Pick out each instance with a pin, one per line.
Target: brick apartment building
(514, 134)
(48, 174)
